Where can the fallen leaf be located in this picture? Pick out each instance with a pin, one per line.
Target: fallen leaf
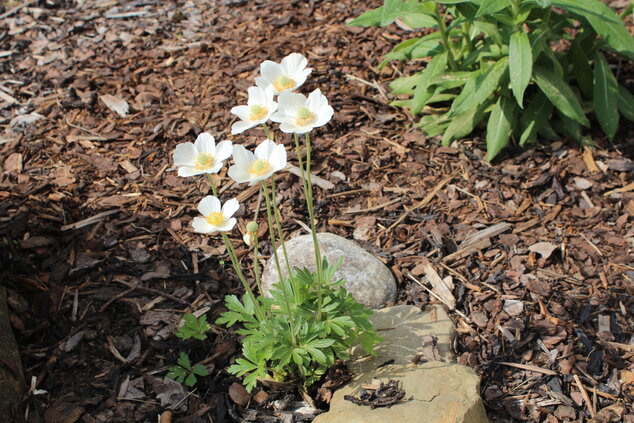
(545, 249)
(238, 394)
(116, 104)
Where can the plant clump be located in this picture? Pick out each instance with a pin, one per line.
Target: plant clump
(310, 320)
(495, 61)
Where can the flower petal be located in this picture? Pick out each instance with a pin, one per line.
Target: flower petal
(205, 143)
(185, 154)
(241, 126)
(224, 149)
(227, 225)
(270, 71)
(208, 205)
(290, 102)
(294, 63)
(241, 111)
(239, 174)
(278, 158)
(201, 225)
(256, 96)
(185, 171)
(241, 156)
(230, 207)
(264, 150)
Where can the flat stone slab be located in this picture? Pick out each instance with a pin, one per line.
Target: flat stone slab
(404, 330)
(368, 280)
(441, 391)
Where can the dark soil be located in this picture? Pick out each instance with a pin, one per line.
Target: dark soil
(100, 261)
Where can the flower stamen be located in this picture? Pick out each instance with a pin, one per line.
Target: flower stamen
(283, 82)
(204, 161)
(215, 218)
(259, 167)
(257, 112)
(304, 117)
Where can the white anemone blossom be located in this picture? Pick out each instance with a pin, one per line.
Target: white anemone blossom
(215, 218)
(259, 108)
(298, 114)
(252, 168)
(202, 156)
(284, 76)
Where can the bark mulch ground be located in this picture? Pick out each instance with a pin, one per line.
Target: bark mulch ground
(100, 261)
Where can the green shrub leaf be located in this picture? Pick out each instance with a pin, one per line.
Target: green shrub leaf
(626, 103)
(481, 88)
(604, 21)
(520, 64)
(463, 124)
(491, 6)
(605, 96)
(560, 94)
(422, 93)
(499, 127)
(534, 117)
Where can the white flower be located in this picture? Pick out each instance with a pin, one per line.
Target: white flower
(214, 217)
(203, 156)
(259, 108)
(284, 76)
(268, 159)
(297, 114)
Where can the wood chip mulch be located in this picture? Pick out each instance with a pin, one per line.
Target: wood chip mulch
(532, 254)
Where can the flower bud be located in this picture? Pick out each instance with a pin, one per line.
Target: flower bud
(248, 239)
(252, 227)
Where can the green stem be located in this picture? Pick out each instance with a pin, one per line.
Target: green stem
(444, 34)
(277, 215)
(267, 132)
(236, 266)
(276, 258)
(311, 214)
(256, 265)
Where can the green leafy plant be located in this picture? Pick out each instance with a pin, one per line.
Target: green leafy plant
(529, 68)
(299, 350)
(194, 327)
(184, 372)
(310, 320)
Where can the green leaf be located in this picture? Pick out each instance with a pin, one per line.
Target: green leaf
(534, 117)
(190, 380)
(520, 64)
(604, 21)
(560, 94)
(626, 103)
(489, 7)
(200, 370)
(422, 93)
(183, 360)
(499, 127)
(321, 343)
(481, 88)
(369, 18)
(463, 124)
(317, 355)
(568, 127)
(580, 60)
(605, 96)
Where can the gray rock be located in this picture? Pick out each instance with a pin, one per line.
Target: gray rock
(368, 280)
(441, 391)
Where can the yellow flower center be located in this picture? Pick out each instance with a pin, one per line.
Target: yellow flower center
(215, 219)
(204, 161)
(259, 167)
(257, 112)
(304, 117)
(283, 82)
